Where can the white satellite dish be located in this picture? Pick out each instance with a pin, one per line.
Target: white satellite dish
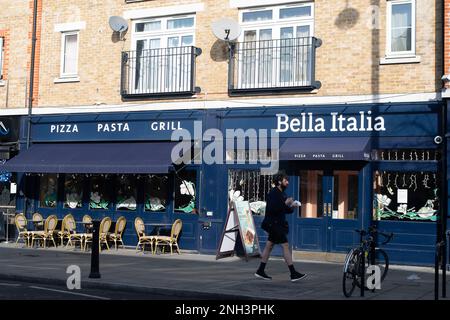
(118, 24)
(226, 29)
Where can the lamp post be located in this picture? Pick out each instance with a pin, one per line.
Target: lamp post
(95, 272)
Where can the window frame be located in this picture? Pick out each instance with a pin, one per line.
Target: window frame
(64, 34)
(164, 33)
(400, 54)
(276, 23)
(2, 56)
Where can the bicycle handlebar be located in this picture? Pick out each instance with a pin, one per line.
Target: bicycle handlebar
(373, 230)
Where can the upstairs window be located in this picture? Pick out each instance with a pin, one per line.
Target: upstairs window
(69, 54)
(1, 56)
(401, 28)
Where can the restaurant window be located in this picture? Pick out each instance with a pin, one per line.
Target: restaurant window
(251, 186)
(73, 191)
(156, 192)
(405, 196)
(185, 192)
(48, 191)
(126, 193)
(345, 195)
(100, 196)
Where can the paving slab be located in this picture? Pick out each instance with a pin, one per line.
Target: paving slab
(196, 274)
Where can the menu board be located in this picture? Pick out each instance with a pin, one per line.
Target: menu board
(239, 220)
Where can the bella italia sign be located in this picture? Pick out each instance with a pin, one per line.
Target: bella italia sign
(308, 122)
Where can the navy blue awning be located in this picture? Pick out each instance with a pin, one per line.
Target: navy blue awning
(130, 157)
(342, 148)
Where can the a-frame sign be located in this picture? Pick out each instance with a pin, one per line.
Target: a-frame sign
(239, 223)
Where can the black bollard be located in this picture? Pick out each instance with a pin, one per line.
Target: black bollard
(95, 272)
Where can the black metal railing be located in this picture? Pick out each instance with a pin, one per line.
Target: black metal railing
(273, 65)
(159, 72)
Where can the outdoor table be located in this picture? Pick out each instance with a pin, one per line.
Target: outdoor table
(157, 226)
(87, 226)
(38, 225)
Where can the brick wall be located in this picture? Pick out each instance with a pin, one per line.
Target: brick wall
(447, 37)
(14, 22)
(348, 62)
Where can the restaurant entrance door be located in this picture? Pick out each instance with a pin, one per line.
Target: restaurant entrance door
(330, 212)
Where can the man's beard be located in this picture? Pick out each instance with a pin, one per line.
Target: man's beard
(283, 187)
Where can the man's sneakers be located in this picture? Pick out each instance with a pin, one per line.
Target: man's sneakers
(262, 275)
(295, 276)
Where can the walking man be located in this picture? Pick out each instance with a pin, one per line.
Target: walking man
(275, 224)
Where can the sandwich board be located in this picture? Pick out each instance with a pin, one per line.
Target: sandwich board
(240, 224)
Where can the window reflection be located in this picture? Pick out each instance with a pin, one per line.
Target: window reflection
(185, 192)
(48, 191)
(73, 191)
(100, 196)
(126, 193)
(156, 191)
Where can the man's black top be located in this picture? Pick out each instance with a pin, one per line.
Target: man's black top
(276, 207)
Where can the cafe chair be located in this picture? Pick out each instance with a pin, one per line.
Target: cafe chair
(86, 220)
(171, 240)
(21, 224)
(117, 235)
(47, 233)
(38, 220)
(105, 224)
(71, 233)
(140, 231)
(63, 233)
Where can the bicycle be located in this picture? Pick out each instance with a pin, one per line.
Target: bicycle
(354, 271)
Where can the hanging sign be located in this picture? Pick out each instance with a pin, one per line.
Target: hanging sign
(239, 223)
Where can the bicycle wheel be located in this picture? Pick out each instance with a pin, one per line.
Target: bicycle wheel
(382, 261)
(350, 277)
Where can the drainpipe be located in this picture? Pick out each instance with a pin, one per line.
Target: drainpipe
(33, 58)
(441, 225)
(30, 97)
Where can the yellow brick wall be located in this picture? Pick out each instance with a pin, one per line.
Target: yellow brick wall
(14, 19)
(348, 63)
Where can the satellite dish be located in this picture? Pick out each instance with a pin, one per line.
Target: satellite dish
(118, 24)
(226, 29)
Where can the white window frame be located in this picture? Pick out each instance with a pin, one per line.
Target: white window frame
(2, 54)
(162, 33)
(400, 54)
(276, 24)
(64, 34)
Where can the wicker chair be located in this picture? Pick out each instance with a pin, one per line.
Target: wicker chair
(38, 220)
(72, 234)
(117, 235)
(22, 231)
(63, 233)
(171, 240)
(47, 233)
(86, 219)
(140, 231)
(105, 224)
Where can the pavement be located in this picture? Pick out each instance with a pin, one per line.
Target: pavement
(195, 276)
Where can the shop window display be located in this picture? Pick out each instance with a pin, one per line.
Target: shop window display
(156, 192)
(251, 186)
(48, 191)
(100, 196)
(185, 192)
(73, 191)
(126, 193)
(406, 196)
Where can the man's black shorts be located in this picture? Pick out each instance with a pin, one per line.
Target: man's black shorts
(277, 234)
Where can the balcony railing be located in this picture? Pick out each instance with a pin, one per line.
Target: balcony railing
(159, 72)
(282, 65)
